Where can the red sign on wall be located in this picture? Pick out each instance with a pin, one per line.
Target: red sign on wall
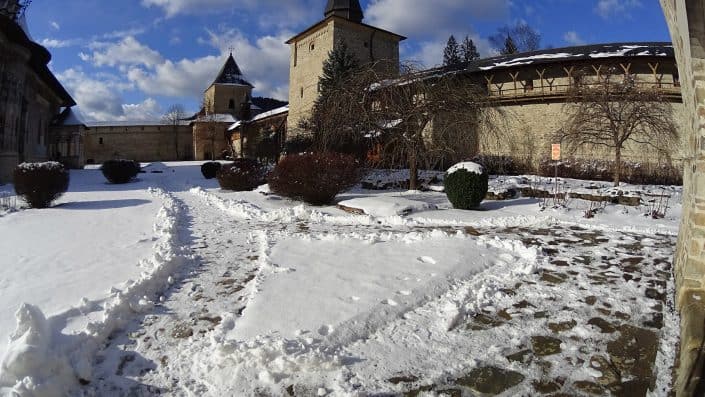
(556, 152)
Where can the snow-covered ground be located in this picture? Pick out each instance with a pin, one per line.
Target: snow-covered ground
(191, 290)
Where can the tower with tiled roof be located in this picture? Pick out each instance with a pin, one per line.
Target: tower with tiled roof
(342, 21)
(229, 93)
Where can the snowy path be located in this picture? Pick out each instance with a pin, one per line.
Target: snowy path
(209, 337)
(246, 294)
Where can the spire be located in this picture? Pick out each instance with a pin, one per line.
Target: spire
(231, 74)
(348, 9)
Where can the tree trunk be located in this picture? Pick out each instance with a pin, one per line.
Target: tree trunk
(413, 172)
(617, 165)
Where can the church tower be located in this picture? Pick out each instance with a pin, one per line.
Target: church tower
(230, 93)
(342, 21)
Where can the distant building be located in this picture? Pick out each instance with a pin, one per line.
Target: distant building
(30, 96)
(207, 135)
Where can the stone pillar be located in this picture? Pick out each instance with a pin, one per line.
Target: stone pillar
(686, 20)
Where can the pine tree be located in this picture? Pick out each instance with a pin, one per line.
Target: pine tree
(509, 47)
(339, 66)
(451, 54)
(469, 50)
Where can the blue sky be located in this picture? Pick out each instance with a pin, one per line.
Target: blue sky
(131, 59)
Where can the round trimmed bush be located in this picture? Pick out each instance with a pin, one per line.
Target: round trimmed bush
(120, 171)
(40, 183)
(210, 169)
(242, 175)
(315, 178)
(466, 185)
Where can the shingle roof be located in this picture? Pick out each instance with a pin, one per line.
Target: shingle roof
(231, 74)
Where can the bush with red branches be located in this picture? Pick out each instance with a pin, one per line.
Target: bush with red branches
(315, 178)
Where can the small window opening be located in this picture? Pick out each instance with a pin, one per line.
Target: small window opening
(302, 92)
(312, 46)
(100, 141)
(231, 104)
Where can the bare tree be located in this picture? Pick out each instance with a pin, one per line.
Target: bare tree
(173, 118)
(415, 119)
(209, 122)
(522, 36)
(612, 109)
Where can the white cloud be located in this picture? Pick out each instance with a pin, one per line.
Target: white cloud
(610, 8)
(265, 63)
(432, 19)
(573, 38)
(57, 43)
(128, 51)
(55, 25)
(99, 98)
(275, 13)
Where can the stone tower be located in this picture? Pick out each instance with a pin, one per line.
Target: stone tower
(227, 100)
(342, 22)
(230, 93)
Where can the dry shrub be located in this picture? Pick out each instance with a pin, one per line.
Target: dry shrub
(315, 178)
(120, 171)
(40, 183)
(242, 175)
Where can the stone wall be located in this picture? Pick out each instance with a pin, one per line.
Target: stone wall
(309, 52)
(526, 131)
(686, 20)
(137, 142)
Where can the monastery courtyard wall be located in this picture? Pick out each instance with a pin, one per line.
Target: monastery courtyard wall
(686, 20)
(527, 134)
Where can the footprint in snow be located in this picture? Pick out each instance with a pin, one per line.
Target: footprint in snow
(390, 302)
(404, 293)
(426, 259)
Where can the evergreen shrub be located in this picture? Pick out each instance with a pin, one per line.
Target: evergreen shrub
(466, 189)
(40, 183)
(120, 171)
(315, 178)
(242, 175)
(210, 169)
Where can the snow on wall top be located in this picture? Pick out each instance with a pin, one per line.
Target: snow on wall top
(467, 166)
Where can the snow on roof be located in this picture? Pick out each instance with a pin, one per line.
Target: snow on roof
(261, 116)
(235, 126)
(218, 118)
(273, 112)
(586, 52)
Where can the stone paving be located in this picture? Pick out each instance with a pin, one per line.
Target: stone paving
(621, 359)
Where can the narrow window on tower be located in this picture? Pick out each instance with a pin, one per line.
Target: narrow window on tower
(302, 92)
(100, 141)
(231, 104)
